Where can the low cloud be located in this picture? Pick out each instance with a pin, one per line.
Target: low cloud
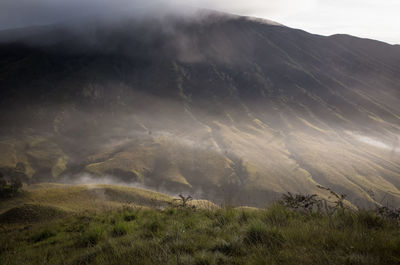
(27, 12)
(23, 13)
(355, 17)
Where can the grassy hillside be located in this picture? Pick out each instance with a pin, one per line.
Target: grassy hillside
(123, 234)
(80, 198)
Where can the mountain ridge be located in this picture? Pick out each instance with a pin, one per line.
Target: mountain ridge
(230, 108)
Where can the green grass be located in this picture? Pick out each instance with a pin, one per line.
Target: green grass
(170, 235)
(31, 213)
(81, 198)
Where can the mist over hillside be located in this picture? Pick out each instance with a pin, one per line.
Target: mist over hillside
(232, 109)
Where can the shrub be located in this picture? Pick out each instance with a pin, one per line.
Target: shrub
(119, 229)
(91, 237)
(369, 220)
(183, 201)
(16, 185)
(130, 217)
(388, 212)
(11, 188)
(340, 198)
(301, 202)
(154, 226)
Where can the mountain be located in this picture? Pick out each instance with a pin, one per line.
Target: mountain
(227, 108)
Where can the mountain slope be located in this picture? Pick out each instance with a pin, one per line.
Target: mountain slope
(229, 108)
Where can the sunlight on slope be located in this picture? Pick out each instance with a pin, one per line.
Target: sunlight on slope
(86, 197)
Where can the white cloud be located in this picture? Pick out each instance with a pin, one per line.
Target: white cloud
(365, 18)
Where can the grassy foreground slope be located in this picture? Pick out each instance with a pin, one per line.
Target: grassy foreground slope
(127, 234)
(80, 198)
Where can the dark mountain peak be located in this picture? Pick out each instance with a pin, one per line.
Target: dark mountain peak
(203, 103)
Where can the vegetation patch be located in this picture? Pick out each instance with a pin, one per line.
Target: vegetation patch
(43, 235)
(259, 233)
(120, 229)
(185, 235)
(91, 237)
(296, 230)
(31, 213)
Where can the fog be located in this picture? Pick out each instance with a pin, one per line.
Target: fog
(29, 13)
(359, 18)
(220, 107)
(149, 149)
(89, 179)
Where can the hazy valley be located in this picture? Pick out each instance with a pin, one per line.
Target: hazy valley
(210, 106)
(192, 136)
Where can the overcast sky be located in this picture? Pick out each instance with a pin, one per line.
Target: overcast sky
(365, 18)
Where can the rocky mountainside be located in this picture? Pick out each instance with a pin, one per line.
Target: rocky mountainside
(228, 108)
